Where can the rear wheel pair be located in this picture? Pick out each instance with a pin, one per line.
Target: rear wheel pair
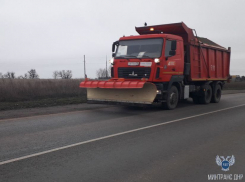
(209, 95)
(216, 94)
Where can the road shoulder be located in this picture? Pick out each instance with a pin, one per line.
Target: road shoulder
(9, 114)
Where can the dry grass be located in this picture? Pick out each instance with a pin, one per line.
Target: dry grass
(234, 86)
(15, 90)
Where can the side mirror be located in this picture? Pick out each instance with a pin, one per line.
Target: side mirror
(114, 45)
(173, 45)
(172, 53)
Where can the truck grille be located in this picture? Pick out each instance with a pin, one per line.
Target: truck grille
(134, 73)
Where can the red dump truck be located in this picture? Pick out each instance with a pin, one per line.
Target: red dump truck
(163, 64)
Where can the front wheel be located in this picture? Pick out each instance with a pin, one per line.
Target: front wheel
(172, 98)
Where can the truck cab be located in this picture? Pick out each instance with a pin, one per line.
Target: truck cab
(154, 57)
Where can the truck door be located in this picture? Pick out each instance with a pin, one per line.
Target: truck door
(173, 57)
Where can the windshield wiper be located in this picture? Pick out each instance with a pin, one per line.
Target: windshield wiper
(132, 56)
(120, 57)
(128, 56)
(144, 56)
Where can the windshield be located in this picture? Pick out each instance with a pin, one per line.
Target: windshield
(148, 48)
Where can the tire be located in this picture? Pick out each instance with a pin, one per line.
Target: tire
(172, 98)
(216, 96)
(207, 95)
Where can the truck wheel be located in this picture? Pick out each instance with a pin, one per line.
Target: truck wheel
(172, 98)
(207, 95)
(216, 94)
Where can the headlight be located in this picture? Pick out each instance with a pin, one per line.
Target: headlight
(112, 60)
(159, 92)
(157, 60)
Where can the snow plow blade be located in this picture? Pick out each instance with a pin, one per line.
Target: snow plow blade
(139, 92)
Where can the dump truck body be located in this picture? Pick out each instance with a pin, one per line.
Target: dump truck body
(163, 64)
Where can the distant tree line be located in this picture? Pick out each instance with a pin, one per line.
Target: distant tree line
(63, 74)
(103, 73)
(32, 74)
(238, 78)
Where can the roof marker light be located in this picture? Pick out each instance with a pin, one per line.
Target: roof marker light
(151, 29)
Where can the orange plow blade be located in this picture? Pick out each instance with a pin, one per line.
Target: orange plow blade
(120, 91)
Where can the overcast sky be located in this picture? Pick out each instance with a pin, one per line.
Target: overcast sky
(50, 35)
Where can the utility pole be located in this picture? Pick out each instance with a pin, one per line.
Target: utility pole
(106, 66)
(85, 76)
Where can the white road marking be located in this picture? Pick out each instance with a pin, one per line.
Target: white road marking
(113, 135)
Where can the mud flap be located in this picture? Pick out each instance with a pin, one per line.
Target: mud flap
(145, 95)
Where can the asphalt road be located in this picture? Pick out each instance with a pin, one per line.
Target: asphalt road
(125, 143)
